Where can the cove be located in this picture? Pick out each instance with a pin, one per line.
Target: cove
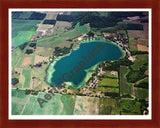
(73, 68)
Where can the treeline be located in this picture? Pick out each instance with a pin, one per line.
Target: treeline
(62, 51)
(131, 27)
(126, 14)
(97, 20)
(15, 15)
(52, 22)
(135, 75)
(138, 52)
(33, 45)
(116, 64)
(37, 16)
(34, 16)
(22, 46)
(68, 18)
(142, 85)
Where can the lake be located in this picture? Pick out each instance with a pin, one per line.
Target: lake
(74, 68)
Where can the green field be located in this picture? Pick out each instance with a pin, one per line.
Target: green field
(109, 80)
(130, 107)
(130, 45)
(108, 83)
(59, 38)
(140, 60)
(108, 106)
(141, 93)
(21, 60)
(86, 105)
(16, 54)
(18, 101)
(68, 104)
(51, 107)
(22, 31)
(125, 87)
(83, 29)
(25, 15)
(27, 75)
(57, 105)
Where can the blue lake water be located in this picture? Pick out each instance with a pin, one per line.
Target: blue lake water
(72, 68)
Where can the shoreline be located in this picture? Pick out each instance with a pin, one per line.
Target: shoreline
(51, 68)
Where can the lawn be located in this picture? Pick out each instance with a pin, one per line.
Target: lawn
(140, 60)
(108, 106)
(16, 54)
(18, 101)
(125, 87)
(27, 75)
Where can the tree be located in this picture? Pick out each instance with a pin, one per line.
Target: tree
(15, 81)
(29, 51)
(90, 33)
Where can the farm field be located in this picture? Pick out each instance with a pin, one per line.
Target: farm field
(27, 78)
(141, 93)
(109, 83)
(140, 60)
(25, 15)
(25, 61)
(19, 100)
(57, 105)
(59, 38)
(86, 106)
(16, 54)
(130, 107)
(51, 15)
(125, 87)
(108, 106)
(83, 29)
(51, 107)
(22, 31)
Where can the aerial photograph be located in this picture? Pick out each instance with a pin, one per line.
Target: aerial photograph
(79, 62)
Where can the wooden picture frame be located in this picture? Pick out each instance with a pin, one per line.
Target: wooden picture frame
(4, 97)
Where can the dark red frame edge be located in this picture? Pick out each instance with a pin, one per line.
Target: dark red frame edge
(6, 4)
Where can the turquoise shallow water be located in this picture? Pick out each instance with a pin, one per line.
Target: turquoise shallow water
(72, 68)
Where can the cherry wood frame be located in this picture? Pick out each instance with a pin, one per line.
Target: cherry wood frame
(6, 4)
